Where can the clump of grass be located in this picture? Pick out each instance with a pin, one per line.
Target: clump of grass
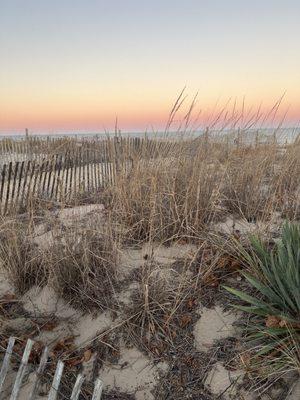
(178, 192)
(275, 329)
(285, 182)
(167, 199)
(247, 190)
(154, 308)
(21, 261)
(82, 266)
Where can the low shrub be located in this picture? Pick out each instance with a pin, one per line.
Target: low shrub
(274, 331)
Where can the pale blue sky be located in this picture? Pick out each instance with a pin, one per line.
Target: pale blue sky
(62, 58)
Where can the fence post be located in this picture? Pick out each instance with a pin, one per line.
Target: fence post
(20, 180)
(3, 173)
(8, 186)
(13, 203)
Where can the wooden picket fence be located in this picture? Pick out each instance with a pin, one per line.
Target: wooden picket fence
(58, 180)
(38, 148)
(60, 177)
(58, 170)
(38, 374)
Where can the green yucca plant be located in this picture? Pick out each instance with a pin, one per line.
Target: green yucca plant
(275, 327)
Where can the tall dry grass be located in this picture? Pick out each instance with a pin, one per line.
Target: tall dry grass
(166, 199)
(200, 182)
(77, 259)
(20, 260)
(174, 190)
(81, 264)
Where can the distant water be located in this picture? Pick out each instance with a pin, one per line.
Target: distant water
(282, 134)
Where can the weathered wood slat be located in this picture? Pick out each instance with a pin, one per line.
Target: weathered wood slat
(75, 161)
(46, 172)
(83, 171)
(55, 165)
(8, 187)
(36, 174)
(15, 175)
(80, 168)
(67, 166)
(105, 164)
(58, 178)
(88, 170)
(77, 387)
(38, 375)
(39, 185)
(22, 370)
(6, 361)
(26, 175)
(3, 173)
(32, 176)
(56, 381)
(51, 169)
(98, 390)
(19, 183)
(71, 176)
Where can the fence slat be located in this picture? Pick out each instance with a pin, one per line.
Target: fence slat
(6, 361)
(8, 186)
(38, 374)
(80, 170)
(22, 370)
(97, 390)
(3, 173)
(27, 172)
(32, 175)
(40, 177)
(58, 177)
(46, 172)
(66, 167)
(14, 184)
(83, 170)
(75, 163)
(19, 184)
(105, 163)
(56, 381)
(77, 387)
(55, 165)
(71, 176)
(88, 170)
(51, 168)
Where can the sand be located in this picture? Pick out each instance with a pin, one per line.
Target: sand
(214, 324)
(155, 253)
(84, 327)
(222, 381)
(135, 374)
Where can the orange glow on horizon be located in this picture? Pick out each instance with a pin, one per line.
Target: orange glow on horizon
(69, 65)
(139, 117)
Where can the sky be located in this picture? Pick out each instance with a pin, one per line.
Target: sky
(68, 65)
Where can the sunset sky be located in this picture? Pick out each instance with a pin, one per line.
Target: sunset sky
(68, 65)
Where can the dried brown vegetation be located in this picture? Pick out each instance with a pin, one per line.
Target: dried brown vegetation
(174, 191)
(82, 266)
(20, 260)
(174, 196)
